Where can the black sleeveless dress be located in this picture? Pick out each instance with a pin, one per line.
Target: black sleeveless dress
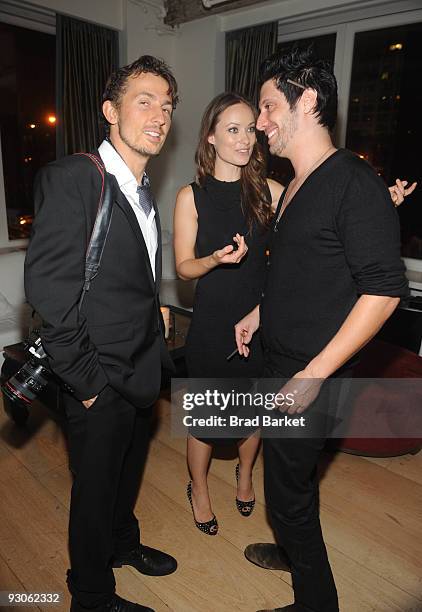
(229, 291)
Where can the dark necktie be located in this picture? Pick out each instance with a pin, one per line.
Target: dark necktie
(145, 196)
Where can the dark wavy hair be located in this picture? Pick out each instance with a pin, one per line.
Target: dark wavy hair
(302, 66)
(253, 184)
(116, 85)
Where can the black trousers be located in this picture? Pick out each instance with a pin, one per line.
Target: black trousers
(292, 497)
(108, 444)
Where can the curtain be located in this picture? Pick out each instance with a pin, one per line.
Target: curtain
(245, 51)
(86, 55)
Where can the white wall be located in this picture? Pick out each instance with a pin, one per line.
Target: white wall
(199, 68)
(145, 34)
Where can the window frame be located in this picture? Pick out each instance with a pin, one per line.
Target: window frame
(41, 20)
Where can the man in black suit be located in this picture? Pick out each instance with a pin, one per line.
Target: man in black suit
(111, 351)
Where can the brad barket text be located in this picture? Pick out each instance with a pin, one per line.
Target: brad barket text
(263, 420)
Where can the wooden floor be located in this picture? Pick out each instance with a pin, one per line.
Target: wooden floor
(371, 514)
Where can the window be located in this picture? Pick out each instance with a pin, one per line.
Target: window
(384, 123)
(377, 62)
(27, 118)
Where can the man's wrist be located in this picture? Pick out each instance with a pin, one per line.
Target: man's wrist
(317, 369)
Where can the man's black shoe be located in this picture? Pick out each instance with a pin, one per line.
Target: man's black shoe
(148, 561)
(117, 604)
(268, 556)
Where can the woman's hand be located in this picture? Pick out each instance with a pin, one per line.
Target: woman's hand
(227, 255)
(398, 191)
(245, 329)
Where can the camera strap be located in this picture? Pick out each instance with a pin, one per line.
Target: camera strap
(101, 226)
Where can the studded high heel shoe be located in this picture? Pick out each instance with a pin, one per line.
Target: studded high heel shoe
(245, 507)
(210, 527)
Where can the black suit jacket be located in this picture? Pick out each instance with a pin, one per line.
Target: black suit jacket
(117, 337)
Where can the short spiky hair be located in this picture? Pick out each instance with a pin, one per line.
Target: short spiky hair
(117, 83)
(303, 67)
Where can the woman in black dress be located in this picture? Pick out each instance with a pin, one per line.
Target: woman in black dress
(230, 203)
(221, 223)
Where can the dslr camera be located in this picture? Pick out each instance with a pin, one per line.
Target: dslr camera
(31, 379)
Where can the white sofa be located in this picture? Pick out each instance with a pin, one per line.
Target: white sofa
(15, 313)
(174, 291)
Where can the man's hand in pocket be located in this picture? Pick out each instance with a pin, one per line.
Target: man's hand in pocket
(88, 403)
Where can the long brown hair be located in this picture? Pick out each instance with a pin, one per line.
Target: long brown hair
(253, 184)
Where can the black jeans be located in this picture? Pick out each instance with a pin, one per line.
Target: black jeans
(292, 497)
(108, 444)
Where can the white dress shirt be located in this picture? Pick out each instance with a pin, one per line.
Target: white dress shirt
(114, 164)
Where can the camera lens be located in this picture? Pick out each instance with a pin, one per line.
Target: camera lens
(27, 383)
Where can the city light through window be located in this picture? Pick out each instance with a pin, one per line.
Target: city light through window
(384, 123)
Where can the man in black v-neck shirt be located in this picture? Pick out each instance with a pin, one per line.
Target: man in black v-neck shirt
(335, 276)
